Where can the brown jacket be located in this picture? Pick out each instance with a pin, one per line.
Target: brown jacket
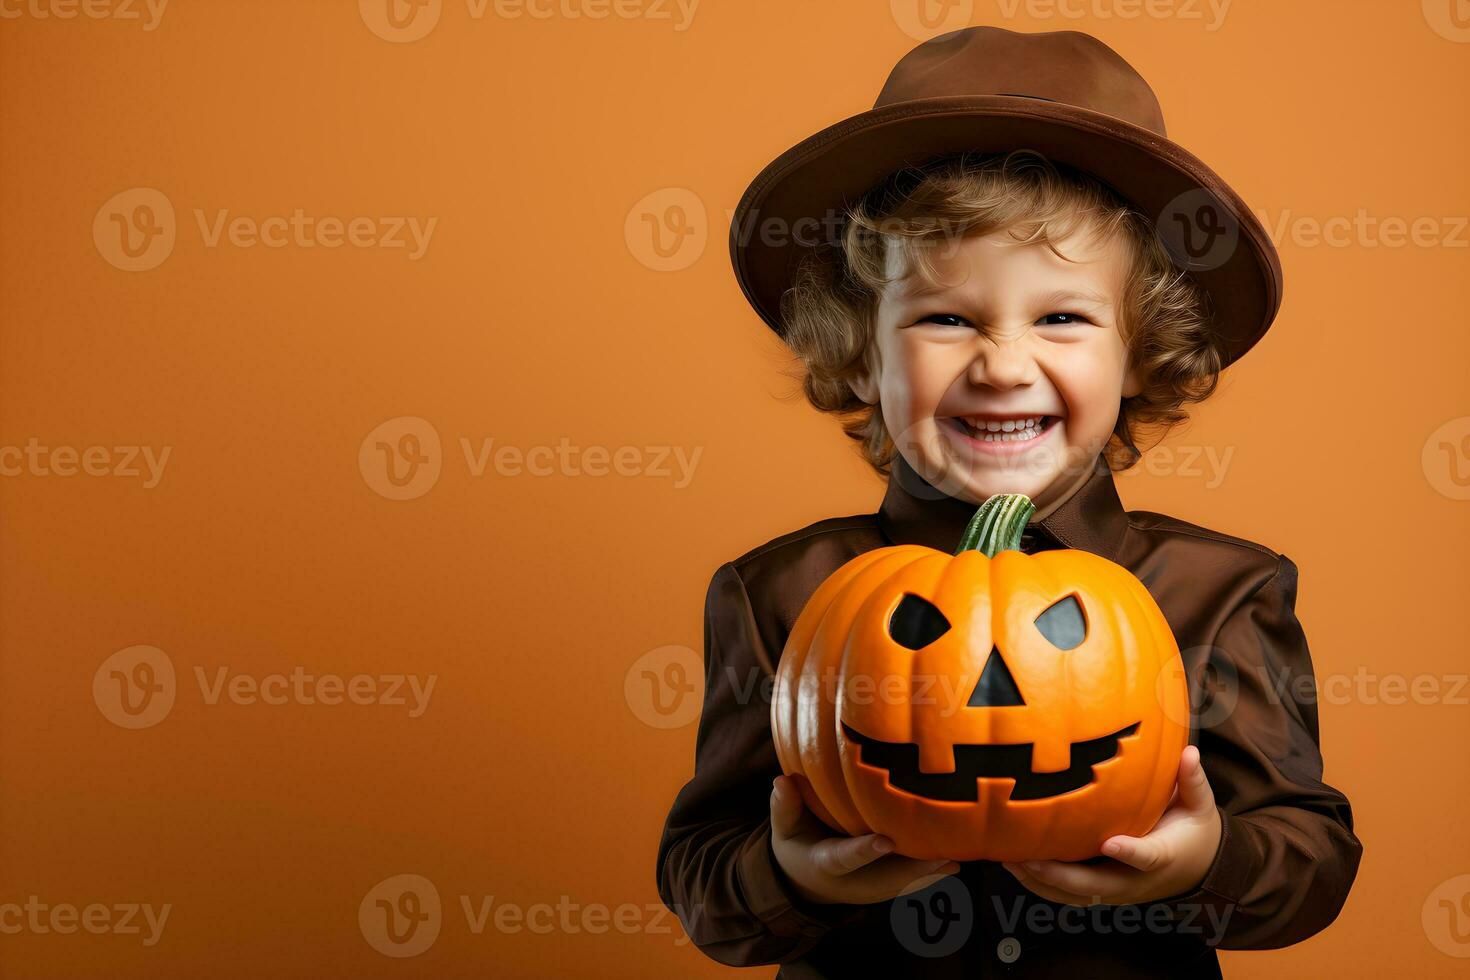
(1287, 855)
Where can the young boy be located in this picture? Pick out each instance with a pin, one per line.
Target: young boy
(1025, 273)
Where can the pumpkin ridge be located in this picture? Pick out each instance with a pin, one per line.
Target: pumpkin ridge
(821, 753)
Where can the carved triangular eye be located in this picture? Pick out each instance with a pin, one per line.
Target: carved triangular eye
(1063, 624)
(916, 622)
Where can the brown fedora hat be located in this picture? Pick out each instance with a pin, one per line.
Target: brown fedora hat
(1063, 94)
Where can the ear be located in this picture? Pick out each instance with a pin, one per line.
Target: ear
(1132, 380)
(865, 383)
(864, 387)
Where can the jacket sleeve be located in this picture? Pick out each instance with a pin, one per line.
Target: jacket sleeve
(716, 870)
(1287, 853)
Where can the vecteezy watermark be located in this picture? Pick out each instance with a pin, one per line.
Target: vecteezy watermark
(1364, 230)
(662, 687)
(404, 21)
(1203, 919)
(1210, 13)
(402, 916)
(936, 918)
(1446, 916)
(1450, 19)
(118, 462)
(402, 458)
(667, 229)
(565, 459)
(137, 687)
(1363, 686)
(39, 918)
(135, 230)
(1206, 463)
(1216, 682)
(1446, 458)
(569, 917)
(147, 13)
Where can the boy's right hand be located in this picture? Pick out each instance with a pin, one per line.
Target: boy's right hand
(827, 867)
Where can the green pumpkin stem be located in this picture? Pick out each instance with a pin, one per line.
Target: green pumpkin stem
(998, 524)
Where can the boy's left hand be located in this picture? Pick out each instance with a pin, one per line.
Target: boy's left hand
(1169, 860)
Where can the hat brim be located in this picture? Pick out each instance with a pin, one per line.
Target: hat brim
(788, 208)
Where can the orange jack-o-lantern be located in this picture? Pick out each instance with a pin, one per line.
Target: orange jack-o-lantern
(985, 705)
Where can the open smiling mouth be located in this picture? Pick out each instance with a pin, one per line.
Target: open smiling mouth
(901, 761)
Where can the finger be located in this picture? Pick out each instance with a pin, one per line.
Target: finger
(789, 816)
(1048, 892)
(1143, 853)
(1077, 879)
(841, 855)
(1194, 787)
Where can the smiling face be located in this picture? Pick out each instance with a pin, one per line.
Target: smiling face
(1005, 374)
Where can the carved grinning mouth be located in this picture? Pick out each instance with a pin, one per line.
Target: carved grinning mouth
(901, 761)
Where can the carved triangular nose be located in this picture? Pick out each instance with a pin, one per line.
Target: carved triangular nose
(996, 687)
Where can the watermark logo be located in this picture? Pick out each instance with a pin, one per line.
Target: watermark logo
(923, 19)
(935, 920)
(662, 687)
(667, 230)
(1446, 458)
(1198, 231)
(400, 21)
(401, 459)
(135, 229)
(1446, 917)
(135, 687)
(1450, 19)
(1210, 678)
(401, 915)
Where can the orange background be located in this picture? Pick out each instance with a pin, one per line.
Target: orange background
(535, 315)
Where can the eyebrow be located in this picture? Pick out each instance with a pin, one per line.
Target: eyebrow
(1056, 296)
(1072, 296)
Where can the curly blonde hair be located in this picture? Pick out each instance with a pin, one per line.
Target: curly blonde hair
(828, 312)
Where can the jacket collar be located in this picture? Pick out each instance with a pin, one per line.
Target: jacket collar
(914, 512)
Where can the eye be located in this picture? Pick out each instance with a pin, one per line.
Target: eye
(1062, 319)
(944, 316)
(1063, 624)
(916, 622)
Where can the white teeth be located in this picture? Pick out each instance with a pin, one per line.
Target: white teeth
(1008, 430)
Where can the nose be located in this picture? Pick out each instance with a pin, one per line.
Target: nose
(1004, 365)
(996, 687)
